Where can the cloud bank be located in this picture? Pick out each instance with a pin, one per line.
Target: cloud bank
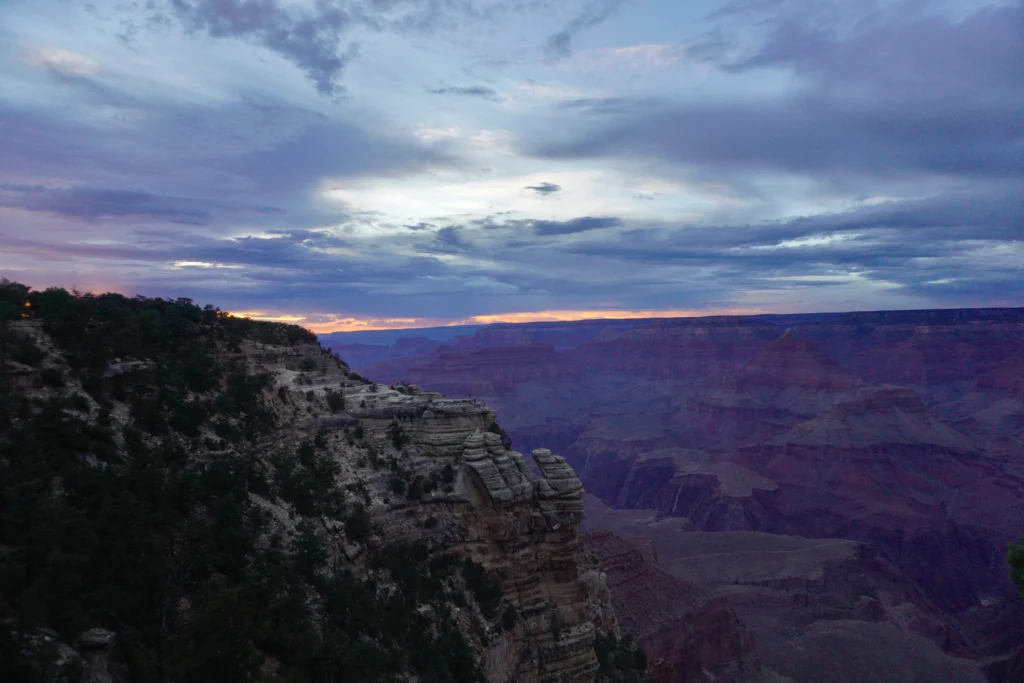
(801, 156)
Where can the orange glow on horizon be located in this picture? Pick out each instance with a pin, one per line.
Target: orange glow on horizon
(572, 315)
(353, 324)
(259, 315)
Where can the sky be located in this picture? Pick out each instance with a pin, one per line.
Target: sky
(366, 164)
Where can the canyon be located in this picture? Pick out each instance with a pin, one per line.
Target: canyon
(879, 454)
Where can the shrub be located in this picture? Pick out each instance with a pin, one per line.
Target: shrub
(397, 485)
(188, 418)
(486, 588)
(1015, 558)
(415, 489)
(357, 526)
(80, 403)
(335, 400)
(509, 618)
(397, 434)
(52, 377)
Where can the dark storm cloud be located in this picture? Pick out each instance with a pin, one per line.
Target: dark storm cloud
(293, 267)
(92, 204)
(265, 146)
(575, 225)
(935, 249)
(451, 240)
(938, 226)
(908, 97)
(544, 188)
(480, 91)
(316, 38)
(504, 224)
(251, 162)
(954, 249)
(310, 39)
(328, 149)
(318, 239)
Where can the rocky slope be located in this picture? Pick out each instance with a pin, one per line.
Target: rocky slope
(234, 503)
(795, 595)
(694, 634)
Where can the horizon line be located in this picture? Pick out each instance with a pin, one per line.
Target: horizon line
(352, 325)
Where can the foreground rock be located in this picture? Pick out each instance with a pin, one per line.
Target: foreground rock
(242, 506)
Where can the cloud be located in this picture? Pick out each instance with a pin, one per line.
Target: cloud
(544, 189)
(309, 38)
(331, 149)
(451, 238)
(816, 163)
(955, 248)
(584, 224)
(320, 36)
(973, 239)
(645, 56)
(91, 204)
(611, 105)
(61, 61)
(913, 97)
(258, 151)
(481, 91)
(559, 45)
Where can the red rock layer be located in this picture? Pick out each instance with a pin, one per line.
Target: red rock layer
(695, 634)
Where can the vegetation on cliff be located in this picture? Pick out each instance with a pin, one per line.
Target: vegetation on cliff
(135, 497)
(1015, 558)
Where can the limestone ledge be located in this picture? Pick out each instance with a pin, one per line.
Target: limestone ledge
(517, 521)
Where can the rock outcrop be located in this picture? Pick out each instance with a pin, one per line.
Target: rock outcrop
(520, 525)
(523, 527)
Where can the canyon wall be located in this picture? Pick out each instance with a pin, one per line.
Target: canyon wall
(519, 524)
(901, 430)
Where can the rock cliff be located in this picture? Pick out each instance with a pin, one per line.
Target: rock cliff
(239, 505)
(518, 524)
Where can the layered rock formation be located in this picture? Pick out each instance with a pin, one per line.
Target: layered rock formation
(520, 526)
(794, 593)
(695, 634)
(899, 429)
